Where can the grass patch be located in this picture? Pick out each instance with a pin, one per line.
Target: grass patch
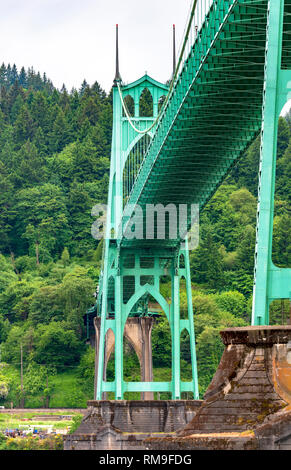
(67, 391)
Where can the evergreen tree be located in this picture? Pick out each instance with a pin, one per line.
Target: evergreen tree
(24, 126)
(206, 261)
(23, 78)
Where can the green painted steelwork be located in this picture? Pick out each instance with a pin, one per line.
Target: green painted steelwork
(230, 87)
(132, 276)
(271, 282)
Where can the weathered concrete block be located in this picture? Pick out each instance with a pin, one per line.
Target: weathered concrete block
(248, 403)
(123, 425)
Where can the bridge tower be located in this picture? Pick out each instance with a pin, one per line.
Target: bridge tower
(271, 282)
(133, 267)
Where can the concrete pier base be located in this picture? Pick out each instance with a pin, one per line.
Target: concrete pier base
(125, 425)
(248, 403)
(138, 331)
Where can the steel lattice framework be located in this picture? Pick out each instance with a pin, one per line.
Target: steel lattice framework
(231, 82)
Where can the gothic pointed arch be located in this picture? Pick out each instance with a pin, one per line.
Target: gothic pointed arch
(147, 288)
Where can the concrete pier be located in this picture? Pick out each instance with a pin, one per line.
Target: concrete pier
(248, 403)
(125, 425)
(138, 331)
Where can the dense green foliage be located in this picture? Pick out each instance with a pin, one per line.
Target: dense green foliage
(54, 167)
(31, 443)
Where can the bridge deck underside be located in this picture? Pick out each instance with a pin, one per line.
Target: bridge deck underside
(215, 111)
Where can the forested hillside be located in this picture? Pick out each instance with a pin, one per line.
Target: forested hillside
(54, 167)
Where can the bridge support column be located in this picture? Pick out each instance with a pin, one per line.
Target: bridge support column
(191, 324)
(146, 325)
(108, 348)
(176, 393)
(118, 341)
(270, 281)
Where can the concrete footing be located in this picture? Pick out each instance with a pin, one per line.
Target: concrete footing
(248, 403)
(125, 425)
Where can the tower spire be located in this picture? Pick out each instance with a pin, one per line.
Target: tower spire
(174, 50)
(117, 74)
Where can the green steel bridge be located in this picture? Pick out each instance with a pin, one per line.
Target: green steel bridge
(230, 83)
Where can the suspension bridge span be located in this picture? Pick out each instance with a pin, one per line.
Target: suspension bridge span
(229, 84)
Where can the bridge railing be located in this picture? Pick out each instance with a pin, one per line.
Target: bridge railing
(195, 21)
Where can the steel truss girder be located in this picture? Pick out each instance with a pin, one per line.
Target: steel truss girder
(248, 137)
